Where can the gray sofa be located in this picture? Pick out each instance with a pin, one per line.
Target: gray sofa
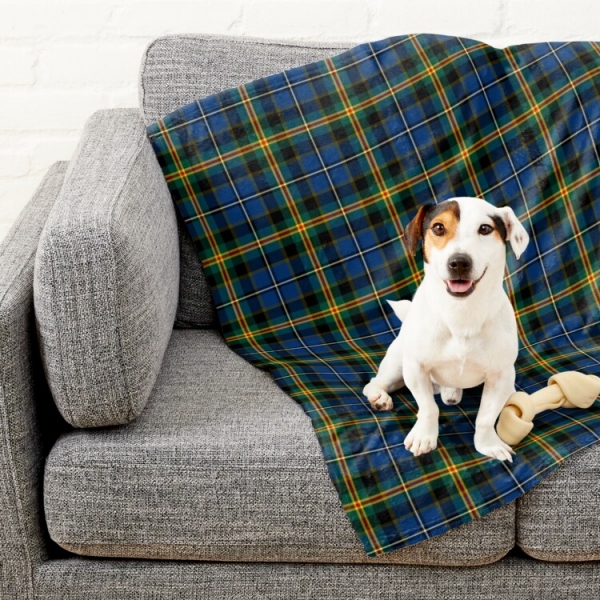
(141, 458)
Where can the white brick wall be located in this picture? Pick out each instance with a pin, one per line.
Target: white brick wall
(60, 60)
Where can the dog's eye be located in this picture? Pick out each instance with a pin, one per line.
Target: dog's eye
(438, 229)
(486, 229)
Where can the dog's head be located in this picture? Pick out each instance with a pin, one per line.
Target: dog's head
(464, 241)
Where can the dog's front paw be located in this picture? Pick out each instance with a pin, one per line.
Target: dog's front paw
(422, 438)
(489, 444)
(378, 399)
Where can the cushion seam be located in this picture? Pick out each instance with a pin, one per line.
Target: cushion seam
(258, 41)
(118, 308)
(68, 409)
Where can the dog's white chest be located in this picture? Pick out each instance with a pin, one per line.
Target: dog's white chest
(459, 363)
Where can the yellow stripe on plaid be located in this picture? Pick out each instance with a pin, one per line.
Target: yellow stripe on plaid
(296, 189)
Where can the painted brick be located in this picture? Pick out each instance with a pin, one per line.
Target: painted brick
(60, 60)
(335, 20)
(49, 110)
(540, 20)
(47, 150)
(15, 194)
(152, 18)
(4, 227)
(58, 18)
(14, 164)
(124, 97)
(108, 62)
(432, 16)
(17, 65)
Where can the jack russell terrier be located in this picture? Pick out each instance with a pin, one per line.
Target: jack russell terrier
(459, 330)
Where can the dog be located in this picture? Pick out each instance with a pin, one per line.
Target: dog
(460, 330)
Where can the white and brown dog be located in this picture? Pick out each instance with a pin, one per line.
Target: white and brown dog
(459, 330)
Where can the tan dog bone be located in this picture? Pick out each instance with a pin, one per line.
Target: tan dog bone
(569, 390)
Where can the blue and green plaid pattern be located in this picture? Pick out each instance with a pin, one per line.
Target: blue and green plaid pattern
(296, 189)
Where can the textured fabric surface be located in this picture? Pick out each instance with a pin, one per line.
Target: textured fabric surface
(509, 579)
(180, 68)
(221, 465)
(177, 70)
(106, 275)
(195, 308)
(559, 520)
(296, 188)
(24, 399)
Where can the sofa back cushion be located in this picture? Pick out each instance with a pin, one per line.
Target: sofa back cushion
(106, 275)
(177, 70)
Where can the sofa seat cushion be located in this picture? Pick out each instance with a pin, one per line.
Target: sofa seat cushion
(559, 520)
(221, 465)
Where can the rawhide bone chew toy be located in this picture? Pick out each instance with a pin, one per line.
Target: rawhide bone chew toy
(568, 390)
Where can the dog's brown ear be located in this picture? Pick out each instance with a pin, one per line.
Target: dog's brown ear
(414, 230)
(515, 232)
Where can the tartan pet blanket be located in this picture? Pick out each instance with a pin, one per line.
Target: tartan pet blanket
(296, 189)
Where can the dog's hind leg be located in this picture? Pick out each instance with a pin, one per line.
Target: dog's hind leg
(378, 395)
(388, 379)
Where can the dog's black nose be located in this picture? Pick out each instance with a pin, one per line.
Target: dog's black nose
(459, 266)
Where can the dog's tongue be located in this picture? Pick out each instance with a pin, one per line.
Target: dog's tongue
(459, 286)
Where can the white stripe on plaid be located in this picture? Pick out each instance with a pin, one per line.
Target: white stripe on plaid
(371, 149)
(361, 398)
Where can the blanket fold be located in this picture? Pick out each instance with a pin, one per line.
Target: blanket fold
(296, 189)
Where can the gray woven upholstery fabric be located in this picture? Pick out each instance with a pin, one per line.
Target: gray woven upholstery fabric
(509, 579)
(23, 397)
(107, 275)
(195, 308)
(559, 520)
(221, 465)
(177, 70)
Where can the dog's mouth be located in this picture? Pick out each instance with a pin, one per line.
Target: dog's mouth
(461, 288)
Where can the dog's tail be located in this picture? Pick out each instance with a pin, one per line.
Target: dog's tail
(400, 307)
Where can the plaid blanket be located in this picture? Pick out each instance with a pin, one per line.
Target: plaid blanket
(296, 189)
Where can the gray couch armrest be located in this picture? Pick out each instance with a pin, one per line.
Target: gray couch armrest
(106, 279)
(24, 398)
